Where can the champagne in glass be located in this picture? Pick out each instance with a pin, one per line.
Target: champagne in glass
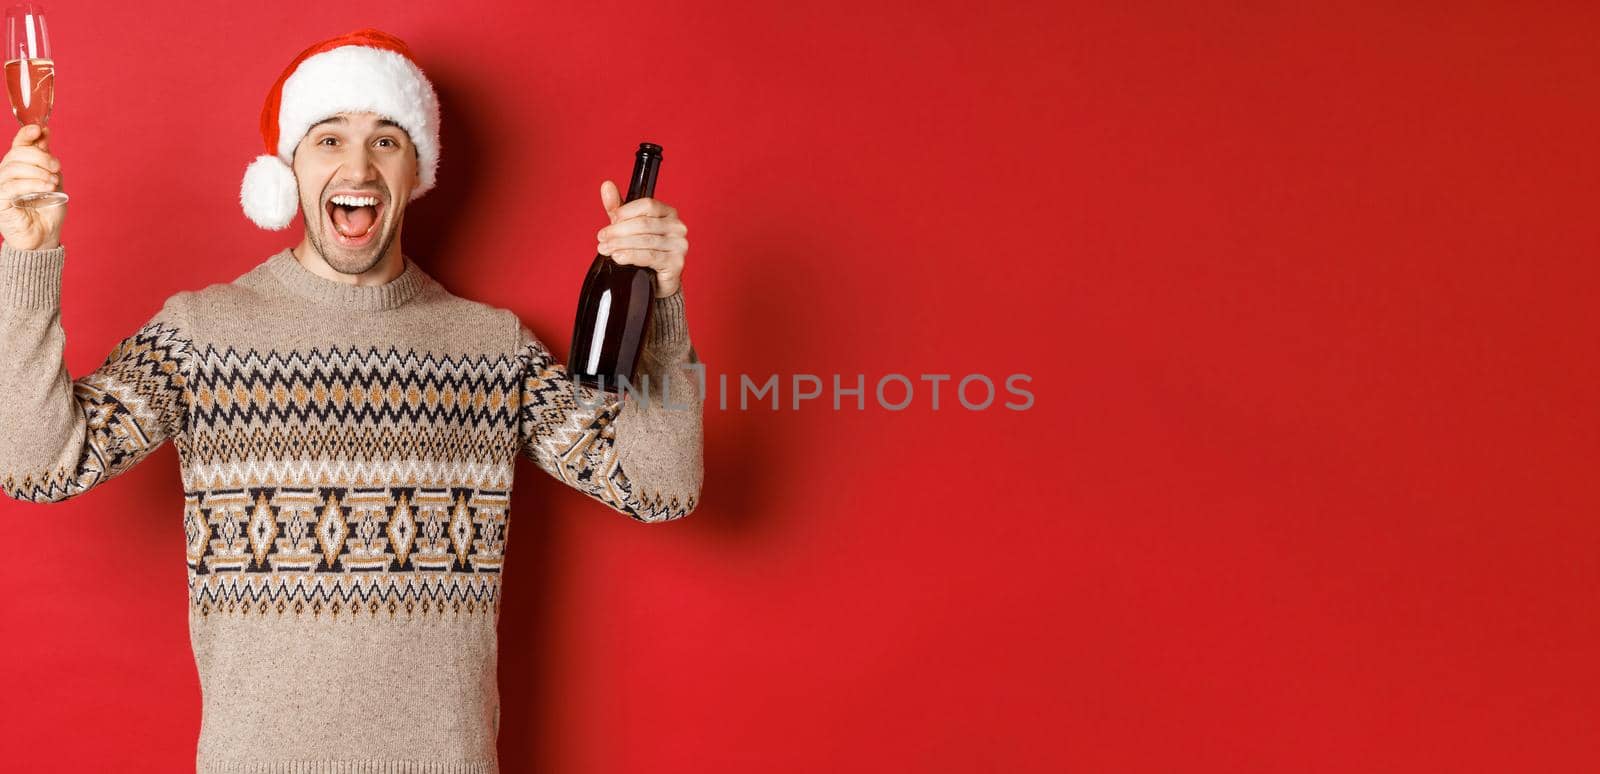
(30, 81)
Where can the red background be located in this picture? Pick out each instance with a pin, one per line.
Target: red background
(1307, 296)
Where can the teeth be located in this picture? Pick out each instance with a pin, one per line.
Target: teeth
(355, 201)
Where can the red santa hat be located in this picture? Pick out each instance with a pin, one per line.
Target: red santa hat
(363, 71)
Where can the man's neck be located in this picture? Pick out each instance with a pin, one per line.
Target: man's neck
(385, 270)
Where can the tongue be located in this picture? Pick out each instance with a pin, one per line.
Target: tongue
(354, 221)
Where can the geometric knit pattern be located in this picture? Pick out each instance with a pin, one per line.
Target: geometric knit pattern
(347, 455)
(390, 550)
(576, 440)
(423, 531)
(128, 404)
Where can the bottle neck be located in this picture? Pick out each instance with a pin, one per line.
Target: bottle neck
(643, 184)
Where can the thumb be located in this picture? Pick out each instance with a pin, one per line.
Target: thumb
(27, 135)
(610, 198)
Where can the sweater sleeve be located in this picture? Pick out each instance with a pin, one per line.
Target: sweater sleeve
(59, 436)
(642, 458)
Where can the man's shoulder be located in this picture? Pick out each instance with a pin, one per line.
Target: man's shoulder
(245, 283)
(196, 300)
(480, 312)
(206, 307)
(215, 295)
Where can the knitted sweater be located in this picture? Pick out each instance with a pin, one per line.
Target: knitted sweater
(347, 456)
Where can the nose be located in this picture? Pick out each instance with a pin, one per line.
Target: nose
(360, 166)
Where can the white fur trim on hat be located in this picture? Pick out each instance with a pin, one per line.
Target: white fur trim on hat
(269, 195)
(362, 79)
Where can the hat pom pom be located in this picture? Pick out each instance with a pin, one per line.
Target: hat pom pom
(269, 194)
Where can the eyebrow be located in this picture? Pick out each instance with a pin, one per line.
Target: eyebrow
(341, 120)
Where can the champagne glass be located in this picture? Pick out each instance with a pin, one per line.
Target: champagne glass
(30, 80)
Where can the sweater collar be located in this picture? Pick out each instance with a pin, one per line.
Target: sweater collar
(306, 284)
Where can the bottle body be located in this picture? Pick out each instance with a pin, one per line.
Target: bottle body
(613, 317)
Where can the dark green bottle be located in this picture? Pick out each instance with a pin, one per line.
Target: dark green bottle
(614, 306)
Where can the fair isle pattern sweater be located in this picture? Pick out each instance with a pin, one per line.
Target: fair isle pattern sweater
(346, 456)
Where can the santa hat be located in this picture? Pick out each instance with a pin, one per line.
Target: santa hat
(366, 70)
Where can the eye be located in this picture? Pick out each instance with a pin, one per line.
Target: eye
(389, 140)
(326, 140)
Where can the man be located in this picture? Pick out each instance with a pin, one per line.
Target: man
(347, 430)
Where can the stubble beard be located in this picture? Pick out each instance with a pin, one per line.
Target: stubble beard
(341, 259)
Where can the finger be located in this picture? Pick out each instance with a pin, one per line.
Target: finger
(13, 188)
(655, 259)
(29, 151)
(650, 258)
(44, 139)
(610, 198)
(32, 154)
(645, 206)
(643, 242)
(22, 169)
(26, 135)
(47, 165)
(644, 225)
(24, 185)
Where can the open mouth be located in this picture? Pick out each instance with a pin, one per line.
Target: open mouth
(353, 219)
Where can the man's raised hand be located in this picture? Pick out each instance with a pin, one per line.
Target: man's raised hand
(644, 232)
(28, 167)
